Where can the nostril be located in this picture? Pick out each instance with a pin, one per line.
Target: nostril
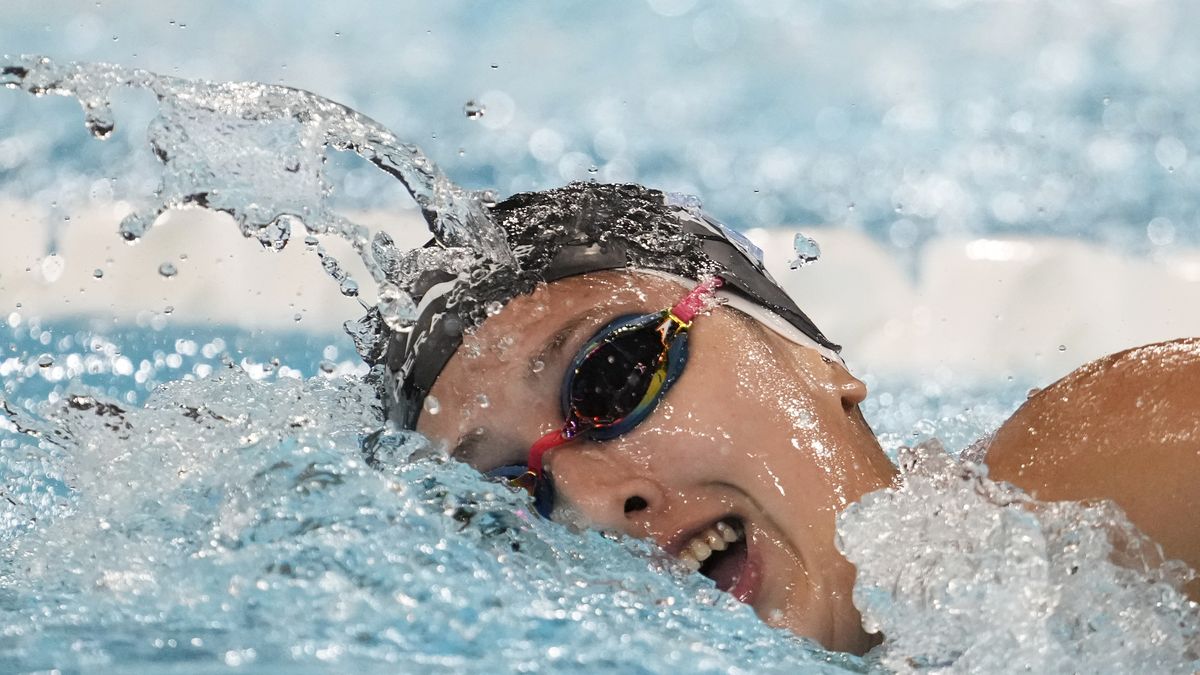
(635, 503)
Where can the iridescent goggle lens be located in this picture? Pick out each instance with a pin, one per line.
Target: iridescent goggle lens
(620, 375)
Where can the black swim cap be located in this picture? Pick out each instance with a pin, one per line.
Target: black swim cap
(576, 229)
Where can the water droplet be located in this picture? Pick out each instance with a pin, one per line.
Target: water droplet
(167, 270)
(99, 122)
(807, 251)
(396, 308)
(482, 400)
(432, 406)
(52, 267)
(327, 366)
(1062, 348)
(538, 366)
(169, 309)
(98, 273)
(474, 110)
(297, 317)
(45, 361)
(495, 66)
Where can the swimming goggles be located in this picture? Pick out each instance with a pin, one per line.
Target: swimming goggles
(614, 382)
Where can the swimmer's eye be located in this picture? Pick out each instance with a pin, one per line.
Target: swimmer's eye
(543, 488)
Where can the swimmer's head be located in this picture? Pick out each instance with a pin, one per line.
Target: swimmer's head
(739, 469)
(574, 230)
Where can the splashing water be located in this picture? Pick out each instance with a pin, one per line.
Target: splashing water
(257, 152)
(966, 575)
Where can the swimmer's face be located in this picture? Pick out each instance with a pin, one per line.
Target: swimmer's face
(758, 433)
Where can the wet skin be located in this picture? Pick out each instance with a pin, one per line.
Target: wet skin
(757, 429)
(769, 433)
(1125, 427)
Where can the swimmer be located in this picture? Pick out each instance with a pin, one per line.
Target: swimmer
(641, 373)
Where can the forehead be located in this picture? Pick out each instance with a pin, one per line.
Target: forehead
(559, 301)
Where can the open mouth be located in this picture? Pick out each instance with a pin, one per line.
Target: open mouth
(720, 553)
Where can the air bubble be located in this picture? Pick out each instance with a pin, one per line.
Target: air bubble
(327, 366)
(98, 273)
(482, 401)
(45, 361)
(538, 366)
(167, 270)
(493, 308)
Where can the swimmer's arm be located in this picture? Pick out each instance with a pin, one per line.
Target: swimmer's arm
(1126, 428)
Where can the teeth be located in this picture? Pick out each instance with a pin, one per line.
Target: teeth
(715, 538)
(715, 541)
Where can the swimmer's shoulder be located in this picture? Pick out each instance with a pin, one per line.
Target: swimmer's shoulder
(1125, 427)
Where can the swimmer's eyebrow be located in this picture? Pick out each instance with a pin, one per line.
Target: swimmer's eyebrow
(554, 346)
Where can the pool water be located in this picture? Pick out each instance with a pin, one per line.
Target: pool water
(182, 497)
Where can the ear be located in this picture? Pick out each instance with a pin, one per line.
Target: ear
(851, 389)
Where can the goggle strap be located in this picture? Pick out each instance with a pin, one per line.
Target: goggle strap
(542, 446)
(693, 303)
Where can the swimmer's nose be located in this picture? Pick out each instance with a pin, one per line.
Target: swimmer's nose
(600, 489)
